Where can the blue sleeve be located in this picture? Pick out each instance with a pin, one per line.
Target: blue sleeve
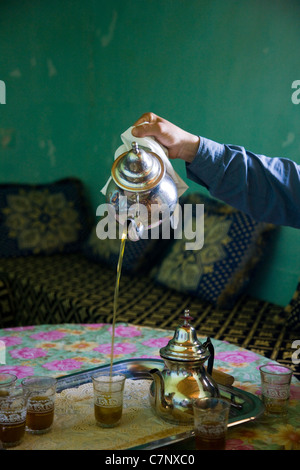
(268, 189)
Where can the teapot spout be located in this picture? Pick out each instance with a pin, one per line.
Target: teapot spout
(158, 401)
(135, 229)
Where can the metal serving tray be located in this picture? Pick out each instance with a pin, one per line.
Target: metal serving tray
(245, 406)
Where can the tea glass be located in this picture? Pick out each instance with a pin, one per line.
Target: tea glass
(210, 423)
(6, 382)
(40, 392)
(108, 398)
(13, 409)
(275, 388)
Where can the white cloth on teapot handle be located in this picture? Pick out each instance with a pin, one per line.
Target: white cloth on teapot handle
(153, 146)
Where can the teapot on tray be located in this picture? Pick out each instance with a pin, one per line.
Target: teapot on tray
(184, 376)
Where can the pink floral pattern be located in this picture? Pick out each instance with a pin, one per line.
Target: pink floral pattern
(126, 331)
(19, 371)
(240, 356)
(237, 444)
(11, 340)
(20, 328)
(119, 348)
(64, 364)
(157, 342)
(28, 353)
(49, 335)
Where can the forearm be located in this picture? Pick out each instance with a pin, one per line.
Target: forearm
(266, 188)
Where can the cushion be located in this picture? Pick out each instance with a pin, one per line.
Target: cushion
(138, 255)
(220, 270)
(43, 218)
(7, 316)
(293, 310)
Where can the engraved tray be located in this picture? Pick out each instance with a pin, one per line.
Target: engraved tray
(245, 406)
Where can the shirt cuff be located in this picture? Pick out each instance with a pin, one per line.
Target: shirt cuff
(208, 157)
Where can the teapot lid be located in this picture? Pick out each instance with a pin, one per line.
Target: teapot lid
(185, 345)
(138, 169)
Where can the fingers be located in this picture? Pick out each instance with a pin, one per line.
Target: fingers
(149, 124)
(180, 144)
(146, 117)
(142, 130)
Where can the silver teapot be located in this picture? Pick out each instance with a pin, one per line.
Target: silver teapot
(141, 193)
(184, 376)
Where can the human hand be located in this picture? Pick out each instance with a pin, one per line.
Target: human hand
(180, 144)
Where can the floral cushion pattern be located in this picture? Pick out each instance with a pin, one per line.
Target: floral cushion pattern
(6, 302)
(220, 270)
(43, 218)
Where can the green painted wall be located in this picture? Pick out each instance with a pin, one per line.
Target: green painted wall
(77, 74)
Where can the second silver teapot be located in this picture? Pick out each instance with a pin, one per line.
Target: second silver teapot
(141, 192)
(184, 377)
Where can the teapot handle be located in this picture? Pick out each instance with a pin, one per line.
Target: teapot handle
(211, 349)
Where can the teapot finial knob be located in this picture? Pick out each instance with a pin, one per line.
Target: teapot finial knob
(187, 317)
(135, 147)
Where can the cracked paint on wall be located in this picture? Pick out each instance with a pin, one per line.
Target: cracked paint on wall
(7, 138)
(289, 140)
(51, 68)
(107, 38)
(50, 149)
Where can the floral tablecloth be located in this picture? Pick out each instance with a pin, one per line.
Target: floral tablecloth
(59, 350)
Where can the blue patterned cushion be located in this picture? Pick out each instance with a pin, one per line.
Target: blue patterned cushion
(219, 271)
(138, 255)
(37, 219)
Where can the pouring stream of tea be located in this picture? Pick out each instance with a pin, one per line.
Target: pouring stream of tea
(116, 296)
